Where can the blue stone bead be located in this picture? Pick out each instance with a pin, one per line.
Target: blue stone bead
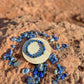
(35, 76)
(43, 34)
(24, 35)
(16, 64)
(53, 61)
(38, 79)
(41, 74)
(45, 64)
(65, 75)
(62, 77)
(58, 66)
(58, 76)
(54, 82)
(61, 71)
(23, 71)
(36, 82)
(63, 68)
(56, 71)
(8, 58)
(27, 70)
(32, 36)
(35, 32)
(57, 80)
(56, 59)
(12, 59)
(35, 72)
(13, 46)
(39, 33)
(57, 47)
(62, 48)
(11, 51)
(53, 36)
(19, 40)
(32, 69)
(10, 63)
(56, 38)
(30, 80)
(51, 40)
(13, 38)
(30, 32)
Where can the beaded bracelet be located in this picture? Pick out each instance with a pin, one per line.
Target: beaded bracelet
(38, 54)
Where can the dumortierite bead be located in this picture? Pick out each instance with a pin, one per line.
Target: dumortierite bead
(38, 79)
(24, 35)
(64, 46)
(41, 74)
(19, 40)
(62, 77)
(35, 72)
(35, 76)
(65, 75)
(32, 35)
(35, 32)
(13, 46)
(56, 38)
(58, 66)
(24, 71)
(61, 71)
(11, 51)
(30, 80)
(36, 82)
(10, 63)
(43, 34)
(51, 40)
(56, 71)
(56, 46)
(54, 82)
(13, 38)
(16, 64)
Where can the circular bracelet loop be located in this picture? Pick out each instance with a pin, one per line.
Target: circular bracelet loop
(39, 42)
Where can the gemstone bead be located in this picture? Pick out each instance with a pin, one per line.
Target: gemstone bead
(19, 40)
(10, 63)
(13, 46)
(41, 75)
(30, 80)
(35, 72)
(56, 46)
(58, 66)
(65, 75)
(54, 82)
(13, 38)
(56, 71)
(24, 71)
(16, 64)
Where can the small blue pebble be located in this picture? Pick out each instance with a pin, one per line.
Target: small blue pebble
(54, 82)
(13, 38)
(58, 66)
(13, 46)
(41, 74)
(11, 51)
(65, 75)
(19, 40)
(61, 71)
(56, 71)
(10, 63)
(35, 72)
(62, 77)
(30, 80)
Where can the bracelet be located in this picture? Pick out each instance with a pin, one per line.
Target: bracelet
(38, 54)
